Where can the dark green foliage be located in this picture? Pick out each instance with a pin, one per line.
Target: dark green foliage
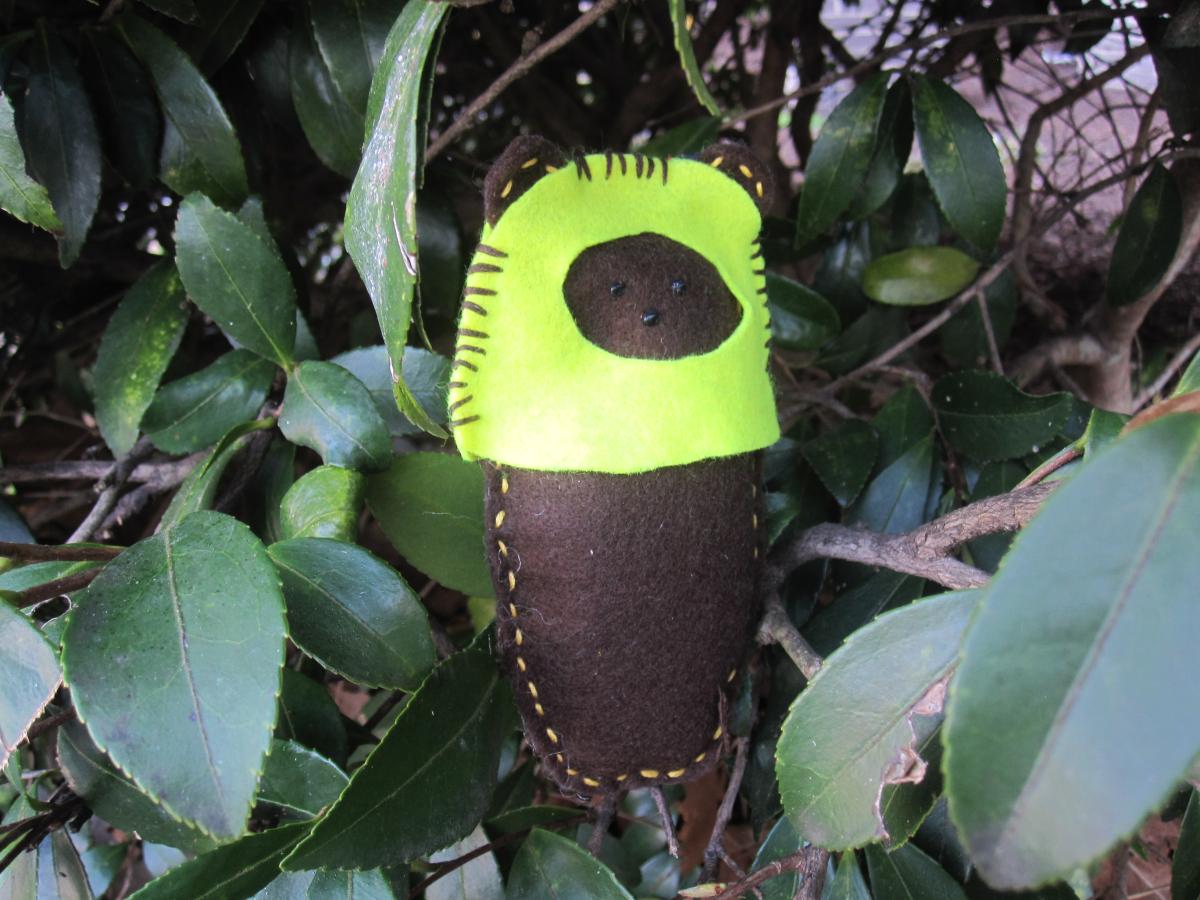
(232, 266)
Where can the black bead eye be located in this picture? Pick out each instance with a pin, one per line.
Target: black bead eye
(678, 286)
(650, 316)
(617, 288)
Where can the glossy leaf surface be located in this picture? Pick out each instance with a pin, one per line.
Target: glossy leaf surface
(329, 410)
(986, 416)
(29, 673)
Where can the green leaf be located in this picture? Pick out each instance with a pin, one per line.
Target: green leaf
(1148, 239)
(856, 729)
(894, 501)
(323, 503)
(183, 10)
(329, 410)
(128, 113)
(893, 144)
(353, 613)
(918, 276)
(903, 420)
(29, 673)
(844, 458)
(196, 613)
(444, 745)
(113, 796)
(381, 215)
(298, 781)
(138, 343)
(308, 715)
(328, 885)
(687, 57)
(963, 340)
(782, 841)
(33, 574)
(872, 333)
(199, 490)
(220, 30)
(479, 879)
(1185, 870)
(430, 506)
(551, 867)
(333, 128)
(840, 158)
(1190, 379)
(237, 869)
(193, 412)
(848, 883)
(801, 319)
(961, 161)
(351, 36)
(907, 873)
(1040, 687)
(20, 195)
(200, 151)
(425, 372)
(884, 590)
(987, 417)
(60, 134)
(688, 138)
(53, 871)
(237, 278)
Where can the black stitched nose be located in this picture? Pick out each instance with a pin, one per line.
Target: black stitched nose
(678, 286)
(617, 288)
(650, 316)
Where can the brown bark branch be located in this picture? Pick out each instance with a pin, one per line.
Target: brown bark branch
(68, 584)
(64, 553)
(811, 861)
(924, 551)
(469, 117)
(1176, 363)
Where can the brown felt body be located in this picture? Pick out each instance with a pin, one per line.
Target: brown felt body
(650, 297)
(625, 603)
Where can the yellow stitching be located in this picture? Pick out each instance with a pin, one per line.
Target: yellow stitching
(716, 162)
(754, 520)
(529, 163)
(558, 756)
(550, 168)
(512, 610)
(700, 758)
(591, 782)
(512, 581)
(499, 518)
(521, 663)
(756, 553)
(504, 484)
(538, 707)
(745, 170)
(503, 548)
(550, 734)
(519, 638)
(533, 690)
(649, 773)
(758, 188)
(732, 674)
(572, 772)
(675, 773)
(716, 734)
(622, 777)
(507, 190)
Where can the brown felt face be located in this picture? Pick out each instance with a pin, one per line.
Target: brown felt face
(649, 297)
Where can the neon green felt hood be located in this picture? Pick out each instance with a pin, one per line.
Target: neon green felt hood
(541, 396)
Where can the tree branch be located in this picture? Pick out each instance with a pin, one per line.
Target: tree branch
(468, 118)
(64, 553)
(68, 584)
(811, 861)
(924, 551)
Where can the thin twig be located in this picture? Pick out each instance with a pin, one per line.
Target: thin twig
(924, 551)
(777, 628)
(110, 489)
(810, 860)
(93, 470)
(664, 815)
(1177, 362)
(712, 855)
(68, 584)
(469, 117)
(504, 840)
(918, 43)
(63, 553)
(54, 721)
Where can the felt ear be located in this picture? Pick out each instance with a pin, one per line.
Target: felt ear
(743, 167)
(522, 163)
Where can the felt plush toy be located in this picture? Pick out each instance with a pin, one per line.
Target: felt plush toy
(611, 378)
